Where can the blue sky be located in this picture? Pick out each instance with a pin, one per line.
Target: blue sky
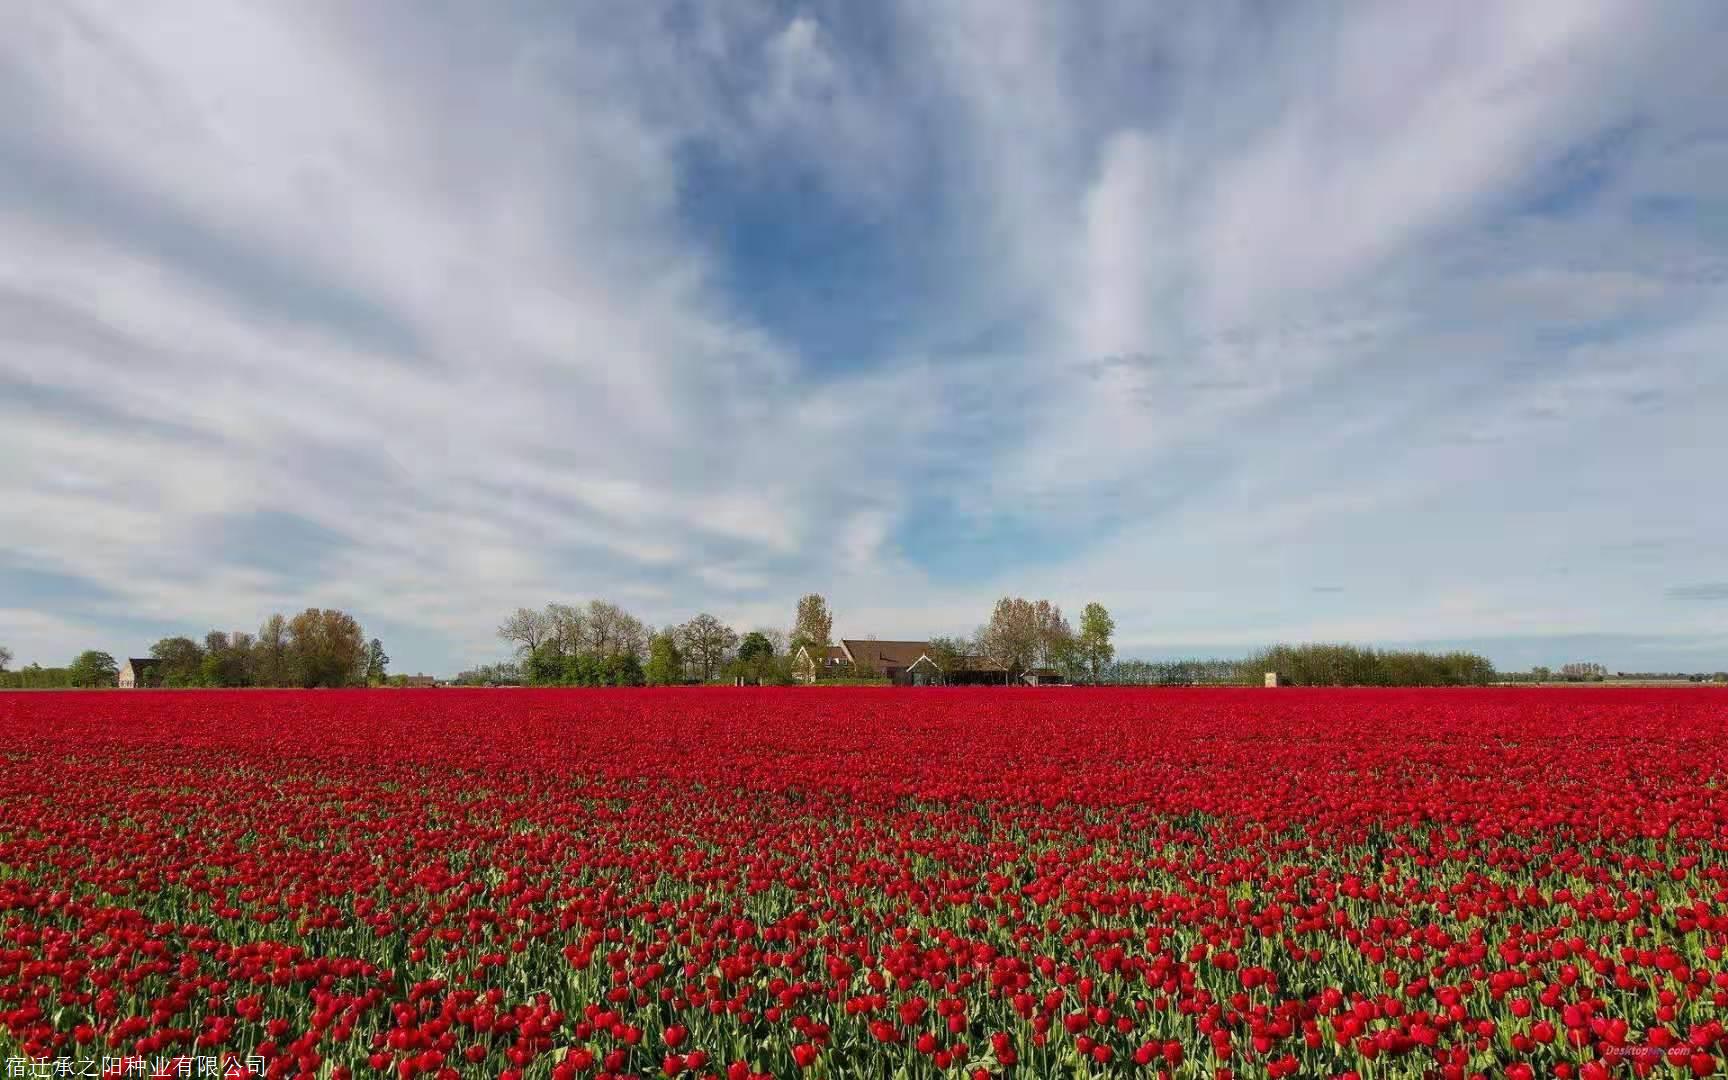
(1391, 323)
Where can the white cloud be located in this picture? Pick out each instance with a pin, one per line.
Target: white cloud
(1243, 300)
(37, 637)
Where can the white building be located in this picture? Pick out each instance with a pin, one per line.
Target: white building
(137, 672)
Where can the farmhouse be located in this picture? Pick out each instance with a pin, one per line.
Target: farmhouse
(832, 662)
(137, 672)
(890, 659)
(907, 663)
(969, 671)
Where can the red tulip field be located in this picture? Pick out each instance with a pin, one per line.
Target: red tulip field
(865, 883)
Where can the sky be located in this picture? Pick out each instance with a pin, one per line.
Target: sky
(1390, 323)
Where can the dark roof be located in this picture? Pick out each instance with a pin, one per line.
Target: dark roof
(142, 662)
(885, 654)
(833, 652)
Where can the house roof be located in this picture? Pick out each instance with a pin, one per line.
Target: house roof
(884, 654)
(833, 652)
(136, 662)
(984, 663)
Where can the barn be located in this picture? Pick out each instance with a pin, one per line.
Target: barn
(138, 672)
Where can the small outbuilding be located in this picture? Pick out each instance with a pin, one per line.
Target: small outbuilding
(138, 671)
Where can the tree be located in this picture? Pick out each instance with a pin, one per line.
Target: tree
(706, 641)
(181, 661)
(5, 657)
(243, 658)
(34, 676)
(609, 630)
(1013, 637)
(622, 669)
(567, 627)
(326, 648)
(506, 674)
(813, 627)
(1055, 636)
(1351, 665)
(93, 668)
(755, 645)
(213, 670)
(376, 662)
(270, 653)
(756, 659)
(665, 663)
(546, 665)
(527, 629)
(228, 660)
(598, 644)
(948, 654)
(1095, 649)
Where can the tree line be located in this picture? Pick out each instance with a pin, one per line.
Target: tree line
(316, 648)
(601, 644)
(90, 668)
(1312, 665)
(1024, 636)
(1595, 673)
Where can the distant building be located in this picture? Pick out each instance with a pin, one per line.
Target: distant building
(908, 663)
(1271, 678)
(832, 662)
(138, 671)
(890, 659)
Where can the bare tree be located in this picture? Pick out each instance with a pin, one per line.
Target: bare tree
(633, 635)
(5, 657)
(1013, 637)
(1055, 636)
(567, 627)
(706, 641)
(612, 631)
(527, 629)
(775, 636)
